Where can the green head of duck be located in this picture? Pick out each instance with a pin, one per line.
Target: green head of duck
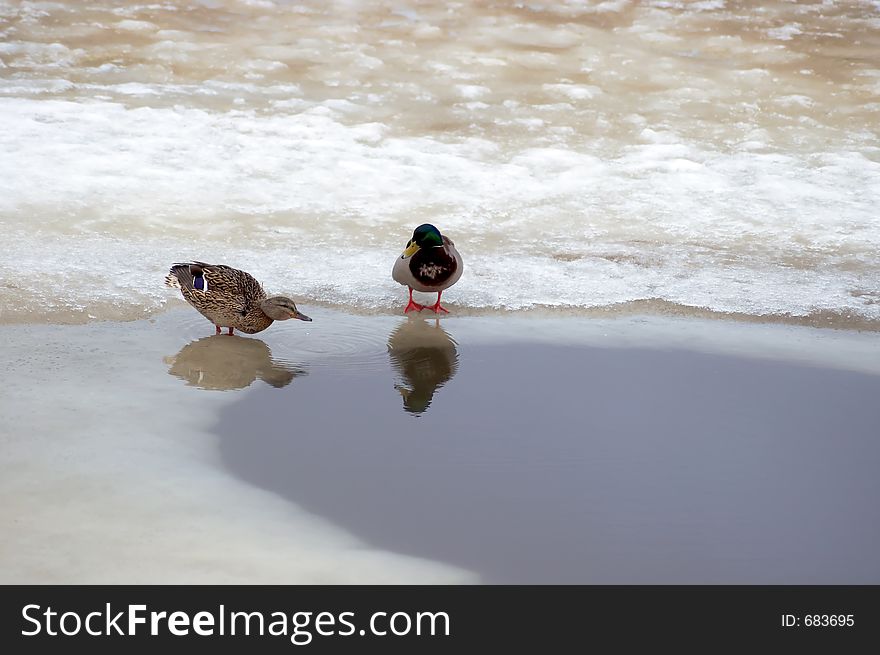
(426, 236)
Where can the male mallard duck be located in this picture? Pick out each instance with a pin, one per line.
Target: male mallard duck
(229, 297)
(429, 263)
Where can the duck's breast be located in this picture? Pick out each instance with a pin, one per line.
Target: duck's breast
(435, 269)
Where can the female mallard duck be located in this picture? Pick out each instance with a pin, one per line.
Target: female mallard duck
(429, 263)
(229, 297)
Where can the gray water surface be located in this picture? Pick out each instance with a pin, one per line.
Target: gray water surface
(532, 463)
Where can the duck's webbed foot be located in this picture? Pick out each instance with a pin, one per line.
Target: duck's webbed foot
(437, 307)
(218, 329)
(412, 304)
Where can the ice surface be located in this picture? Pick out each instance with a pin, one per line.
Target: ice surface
(575, 167)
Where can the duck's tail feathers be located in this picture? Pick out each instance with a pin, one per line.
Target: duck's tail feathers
(180, 277)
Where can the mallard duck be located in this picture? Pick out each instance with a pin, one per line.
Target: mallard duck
(429, 263)
(229, 297)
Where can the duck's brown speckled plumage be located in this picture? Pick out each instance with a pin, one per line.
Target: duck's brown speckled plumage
(231, 297)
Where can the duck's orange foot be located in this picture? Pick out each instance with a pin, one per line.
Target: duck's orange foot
(437, 307)
(230, 332)
(412, 304)
(218, 329)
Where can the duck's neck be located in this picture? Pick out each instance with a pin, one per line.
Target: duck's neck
(256, 321)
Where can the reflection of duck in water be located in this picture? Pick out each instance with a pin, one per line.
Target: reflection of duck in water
(217, 362)
(425, 357)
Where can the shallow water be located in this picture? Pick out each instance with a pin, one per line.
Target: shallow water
(390, 449)
(715, 155)
(112, 474)
(541, 464)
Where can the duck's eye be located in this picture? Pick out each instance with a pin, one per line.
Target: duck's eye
(200, 283)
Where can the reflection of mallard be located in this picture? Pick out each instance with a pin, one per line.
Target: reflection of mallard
(425, 357)
(221, 362)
